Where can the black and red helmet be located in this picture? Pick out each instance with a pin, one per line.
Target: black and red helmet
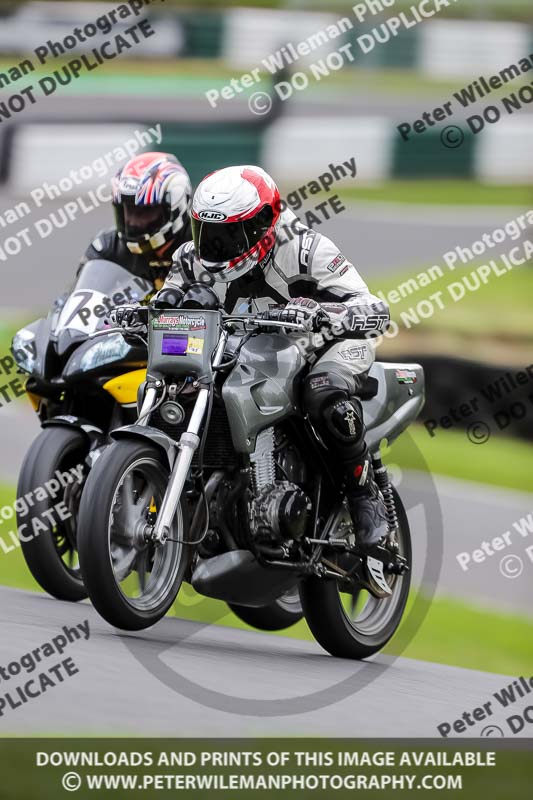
(151, 196)
(234, 216)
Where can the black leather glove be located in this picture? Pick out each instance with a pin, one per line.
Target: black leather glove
(132, 317)
(300, 311)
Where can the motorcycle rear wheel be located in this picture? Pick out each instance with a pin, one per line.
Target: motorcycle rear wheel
(51, 554)
(131, 583)
(357, 625)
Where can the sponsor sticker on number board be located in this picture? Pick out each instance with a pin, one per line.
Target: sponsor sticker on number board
(178, 322)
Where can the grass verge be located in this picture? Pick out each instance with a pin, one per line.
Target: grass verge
(501, 461)
(478, 312)
(192, 77)
(198, 75)
(442, 192)
(7, 331)
(479, 326)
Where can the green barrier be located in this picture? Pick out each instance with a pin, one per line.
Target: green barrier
(425, 156)
(204, 34)
(205, 148)
(400, 52)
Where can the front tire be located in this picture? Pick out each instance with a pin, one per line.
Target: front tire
(51, 554)
(131, 583)
(277, 616)
(359, 627)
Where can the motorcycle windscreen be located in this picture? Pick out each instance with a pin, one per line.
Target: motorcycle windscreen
(100, 286)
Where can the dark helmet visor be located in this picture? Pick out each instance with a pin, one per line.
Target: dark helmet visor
(135, 222)
(220, 242)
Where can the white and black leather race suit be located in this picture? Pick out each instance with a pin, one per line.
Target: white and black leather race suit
(304, 263)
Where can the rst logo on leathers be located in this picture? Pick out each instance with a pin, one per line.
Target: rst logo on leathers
(306, 247)
(375, 322)
(354, 353)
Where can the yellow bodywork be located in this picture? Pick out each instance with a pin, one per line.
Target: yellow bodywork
(124, 388)
(34, 399)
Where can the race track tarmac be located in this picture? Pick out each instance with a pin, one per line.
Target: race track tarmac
(186, 679)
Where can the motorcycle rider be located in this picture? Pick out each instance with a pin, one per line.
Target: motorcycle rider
(256, 256)
(152, 195)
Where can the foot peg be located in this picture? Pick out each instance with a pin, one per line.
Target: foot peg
(376, 582)
(373, 570)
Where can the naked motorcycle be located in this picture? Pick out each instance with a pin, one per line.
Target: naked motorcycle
(223, 482)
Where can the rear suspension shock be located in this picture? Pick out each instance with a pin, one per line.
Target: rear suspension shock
(382, 479)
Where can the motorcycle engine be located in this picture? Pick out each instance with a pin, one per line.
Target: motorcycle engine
(280, 508)
(279, 513)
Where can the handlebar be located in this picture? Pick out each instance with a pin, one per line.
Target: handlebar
(253, 319)
(104, 332)
(141, 313)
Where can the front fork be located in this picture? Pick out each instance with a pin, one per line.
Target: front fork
(188, 444)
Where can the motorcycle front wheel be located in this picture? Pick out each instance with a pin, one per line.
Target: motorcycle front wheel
(132, 583)
(277, 616)
(352, 623)
(47, 538)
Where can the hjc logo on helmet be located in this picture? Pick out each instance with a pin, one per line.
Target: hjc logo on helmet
(212, 216)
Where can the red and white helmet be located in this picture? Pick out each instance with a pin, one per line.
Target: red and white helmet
(234, 215)
(152, 196)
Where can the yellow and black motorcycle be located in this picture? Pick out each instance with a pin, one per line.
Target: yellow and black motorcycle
(83, 382)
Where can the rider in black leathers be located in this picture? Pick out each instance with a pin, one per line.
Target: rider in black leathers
(151, 196)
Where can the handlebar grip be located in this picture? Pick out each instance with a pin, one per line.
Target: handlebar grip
(125, 316)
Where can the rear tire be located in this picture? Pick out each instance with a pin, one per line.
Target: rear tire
(368, 633)
(127, 480)
(277, 616)
(56, 448)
